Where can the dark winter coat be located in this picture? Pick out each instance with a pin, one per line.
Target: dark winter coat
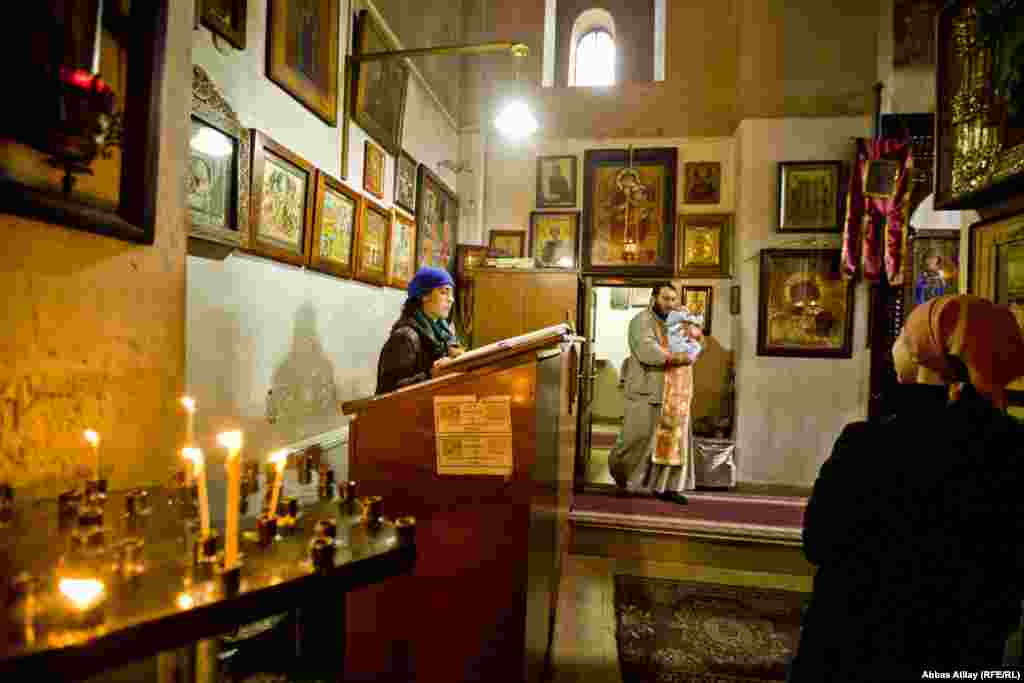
(408, 355)
(915, 524)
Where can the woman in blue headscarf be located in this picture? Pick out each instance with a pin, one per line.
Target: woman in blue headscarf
(422, 338)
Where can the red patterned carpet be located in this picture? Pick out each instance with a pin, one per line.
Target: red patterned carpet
(692, 632)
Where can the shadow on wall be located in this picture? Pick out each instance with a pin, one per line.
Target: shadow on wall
(218, 371)
(302, 397)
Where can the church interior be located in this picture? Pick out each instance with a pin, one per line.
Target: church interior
(210, 242)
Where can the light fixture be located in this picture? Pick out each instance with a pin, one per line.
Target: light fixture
(515, 121)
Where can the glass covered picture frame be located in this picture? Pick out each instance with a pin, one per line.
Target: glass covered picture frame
(437, 216)
(557, 184)
(220, 159)
(996, 272)
(805, 307)
(283, 186)
(405, 182)
(119, 199)
(934, 268)
(337, 211)
(302, 53)
(809, 196)
(555, 239)
(979, 120)
(401, 251)
(373, 240)
(379, 87)
(226, 18)
(629, 212)
(704, 241)
(509, 243)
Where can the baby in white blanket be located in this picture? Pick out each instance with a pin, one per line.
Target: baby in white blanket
(681, 325)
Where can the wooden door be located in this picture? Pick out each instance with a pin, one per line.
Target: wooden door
(549, 299)
(497, 306)
(585, 378)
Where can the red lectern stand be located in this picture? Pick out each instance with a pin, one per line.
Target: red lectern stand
(480, 605)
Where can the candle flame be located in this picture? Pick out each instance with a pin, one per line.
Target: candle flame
(189, 403)
(279, 458)
(195, 456)
(230, 440)
(92, 437)
(83, 593)
(185, 601)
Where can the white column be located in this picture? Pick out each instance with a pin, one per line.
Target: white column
(549, 42)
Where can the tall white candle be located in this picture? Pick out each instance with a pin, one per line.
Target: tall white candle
(94, 440)
(195, 455)
(233, 442)
(190, 411)
(279, 460)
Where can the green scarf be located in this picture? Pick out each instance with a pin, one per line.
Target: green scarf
(438, 330)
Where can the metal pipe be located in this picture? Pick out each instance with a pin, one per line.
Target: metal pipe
(517, 50)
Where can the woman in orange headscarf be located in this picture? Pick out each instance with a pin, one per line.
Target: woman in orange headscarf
(915, 522)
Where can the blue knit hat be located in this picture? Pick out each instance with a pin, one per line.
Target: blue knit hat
(428, 278)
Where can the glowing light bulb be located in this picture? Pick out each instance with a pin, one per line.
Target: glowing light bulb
(516, 121)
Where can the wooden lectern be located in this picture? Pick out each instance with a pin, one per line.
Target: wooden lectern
(480, 605)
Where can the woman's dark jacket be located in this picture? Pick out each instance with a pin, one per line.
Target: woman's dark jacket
(915, 524)
(408, 354)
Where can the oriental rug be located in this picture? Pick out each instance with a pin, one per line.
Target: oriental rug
(694, 632)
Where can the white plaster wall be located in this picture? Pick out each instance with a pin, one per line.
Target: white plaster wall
(790, 410)
(906, 90)
(251, 320)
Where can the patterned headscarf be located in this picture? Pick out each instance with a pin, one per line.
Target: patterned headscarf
(962, 338)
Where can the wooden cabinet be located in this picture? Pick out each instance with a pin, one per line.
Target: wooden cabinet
(507, 302)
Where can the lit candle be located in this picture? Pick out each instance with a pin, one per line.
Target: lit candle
(233, 442)
(278, 459)
(94, 440)
(85, 597)
(195, 456)
(190, 410)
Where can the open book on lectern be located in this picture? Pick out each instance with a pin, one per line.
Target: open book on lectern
(470, 360)
(512, 345)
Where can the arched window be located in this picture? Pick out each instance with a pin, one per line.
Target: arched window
(592, 49)
(595, 59)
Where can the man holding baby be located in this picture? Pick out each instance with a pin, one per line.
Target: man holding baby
(652, 454)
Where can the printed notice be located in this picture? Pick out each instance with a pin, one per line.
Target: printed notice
(473, 436)
(466, 415)
(474, 454)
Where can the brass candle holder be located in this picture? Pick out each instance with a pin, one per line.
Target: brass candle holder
(321, 554)
(266, 528)
(206, 550)
(372, 507)
(130, 562)
(405, 529)
(347, 498)
(6, 504)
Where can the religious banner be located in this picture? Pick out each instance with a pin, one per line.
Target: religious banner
(877, 208)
